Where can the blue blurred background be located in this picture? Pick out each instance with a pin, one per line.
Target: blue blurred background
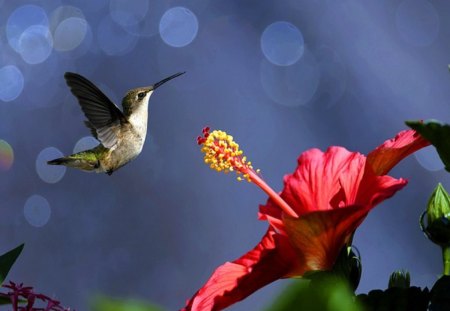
(280, 76)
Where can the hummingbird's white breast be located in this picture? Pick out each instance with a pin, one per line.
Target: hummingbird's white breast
(139, 120)
(132, 141)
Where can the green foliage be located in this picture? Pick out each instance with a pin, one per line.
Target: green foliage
(7, 260)
(325, 292)
(103, 303)
(291, 296)
(396, 299)
(437, 134)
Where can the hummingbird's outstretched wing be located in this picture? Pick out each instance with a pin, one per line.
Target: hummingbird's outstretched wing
(104, 118)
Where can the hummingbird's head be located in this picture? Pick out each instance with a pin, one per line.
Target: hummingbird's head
(141, 95)
(138, 95)
(135, 98)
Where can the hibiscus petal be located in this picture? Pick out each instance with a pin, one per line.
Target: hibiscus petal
(392, 151)
(273, 215)
(271, 259)
(375, 189)
(318, 179)
(319, 236)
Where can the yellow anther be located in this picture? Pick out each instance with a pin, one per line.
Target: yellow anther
(222, 154)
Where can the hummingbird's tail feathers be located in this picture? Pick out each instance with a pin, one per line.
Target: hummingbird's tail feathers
(82, 161)
(59, 161)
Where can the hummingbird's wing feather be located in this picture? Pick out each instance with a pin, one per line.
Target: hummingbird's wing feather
(92, 128)
(107, 134)
(104, 118)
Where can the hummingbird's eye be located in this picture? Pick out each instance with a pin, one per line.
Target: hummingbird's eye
(141, 95)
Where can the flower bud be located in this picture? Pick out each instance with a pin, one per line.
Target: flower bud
(400, 278)
(438, 217)
(438, 205)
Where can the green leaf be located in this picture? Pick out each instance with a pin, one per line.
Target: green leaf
(7, 260)
(103, 303)
(437, 134)
(325, 292)
(291, 296)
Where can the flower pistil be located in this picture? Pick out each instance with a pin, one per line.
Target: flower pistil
(223, 154)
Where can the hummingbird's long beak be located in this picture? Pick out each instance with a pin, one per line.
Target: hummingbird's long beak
(158, 84)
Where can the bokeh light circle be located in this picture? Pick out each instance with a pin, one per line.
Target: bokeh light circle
(128, 12)
(417, 22)
(178, 27)
(21, 19)
(6, 155)
(113, 39)
(149, 25)
(35, 44)
(37, 211)
(70, 33)
(293, 85)
(69, 28)
(49, 173)
(85, 143)
(429, 159)
(333, 78)
(11, 83)
(282, 43)
(62, 13)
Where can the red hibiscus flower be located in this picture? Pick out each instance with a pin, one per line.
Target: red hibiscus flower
(311, 220)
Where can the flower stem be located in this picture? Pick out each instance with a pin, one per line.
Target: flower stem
(446, 257)
(273, 195)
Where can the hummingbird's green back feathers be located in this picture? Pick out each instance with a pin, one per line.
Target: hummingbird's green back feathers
(88, 160)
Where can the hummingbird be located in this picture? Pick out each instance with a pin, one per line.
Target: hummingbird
(121, 133)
